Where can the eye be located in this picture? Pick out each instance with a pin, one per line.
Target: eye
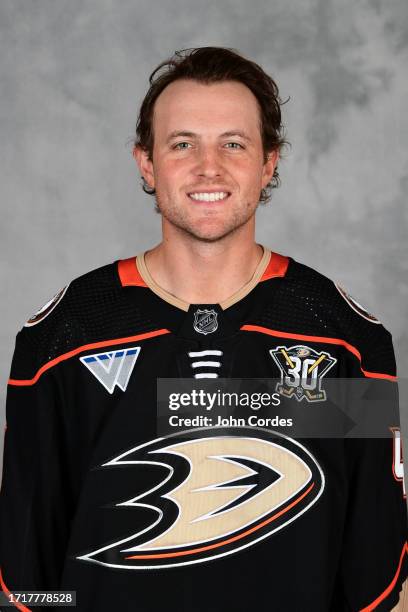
(235, 143)
(177, 146)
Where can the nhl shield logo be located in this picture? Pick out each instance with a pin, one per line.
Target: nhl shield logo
(205, 321)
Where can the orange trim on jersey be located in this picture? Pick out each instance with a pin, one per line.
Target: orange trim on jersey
(129, 274)
(80, 349)
(384, 594)
(323, 339)
(17, 604)
(183, 553)
(277, 266)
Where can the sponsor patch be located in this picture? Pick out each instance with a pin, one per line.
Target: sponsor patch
(302, 369)
(113, 368)
(358, 308)
(45, 310)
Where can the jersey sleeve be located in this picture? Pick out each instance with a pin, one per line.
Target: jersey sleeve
(35, 500)
(374, 561)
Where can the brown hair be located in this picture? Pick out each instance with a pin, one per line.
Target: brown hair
(211, 65)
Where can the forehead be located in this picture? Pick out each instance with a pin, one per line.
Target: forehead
(197, 106)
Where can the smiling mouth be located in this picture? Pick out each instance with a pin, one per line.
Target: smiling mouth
(217, 196)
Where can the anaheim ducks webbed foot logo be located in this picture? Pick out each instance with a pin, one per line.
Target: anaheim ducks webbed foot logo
(47, 309)
(358, 308)
(302, 369)
(220, 493)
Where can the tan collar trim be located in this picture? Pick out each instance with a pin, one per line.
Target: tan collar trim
(254, 280)
(165, 295)
(175, 301)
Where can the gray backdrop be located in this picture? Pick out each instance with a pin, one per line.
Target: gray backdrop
(73, 74)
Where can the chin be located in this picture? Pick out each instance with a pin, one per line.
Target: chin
(210, 235)
(205, 228)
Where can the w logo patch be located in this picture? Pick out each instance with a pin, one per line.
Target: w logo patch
(113, 368)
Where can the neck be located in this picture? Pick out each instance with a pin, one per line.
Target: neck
(201, 272)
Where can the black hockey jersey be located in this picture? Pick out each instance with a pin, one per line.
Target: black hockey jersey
(96, 499)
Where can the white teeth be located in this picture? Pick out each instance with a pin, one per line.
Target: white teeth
(209, 197)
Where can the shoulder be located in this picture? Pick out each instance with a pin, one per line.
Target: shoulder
(87, 309)
(329, 297)
(308, 303)
(78, 294)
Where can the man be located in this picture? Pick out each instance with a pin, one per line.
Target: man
(96, 499)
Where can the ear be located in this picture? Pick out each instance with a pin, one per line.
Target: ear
(269, 167)
(144, 164)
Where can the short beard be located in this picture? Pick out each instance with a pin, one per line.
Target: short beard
(182, 224)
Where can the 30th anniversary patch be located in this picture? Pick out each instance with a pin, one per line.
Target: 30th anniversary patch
(302, 369)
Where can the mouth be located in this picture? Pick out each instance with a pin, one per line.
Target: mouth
(208, 196)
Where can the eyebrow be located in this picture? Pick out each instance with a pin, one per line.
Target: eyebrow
(187, 134)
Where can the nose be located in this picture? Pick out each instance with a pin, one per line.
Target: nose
(208, 163)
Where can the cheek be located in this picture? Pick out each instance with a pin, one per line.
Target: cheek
(245, 171)
(172, 174)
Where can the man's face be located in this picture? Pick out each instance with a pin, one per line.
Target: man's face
(207, 139)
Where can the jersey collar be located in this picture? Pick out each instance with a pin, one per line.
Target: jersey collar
(133, 272)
